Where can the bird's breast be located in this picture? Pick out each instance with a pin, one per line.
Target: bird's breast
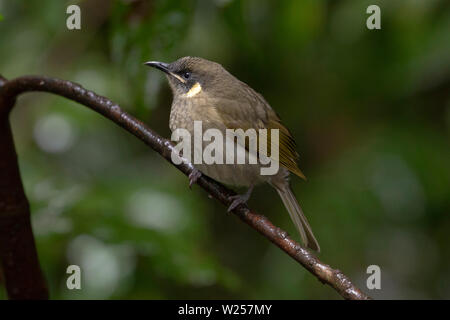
(186, 110)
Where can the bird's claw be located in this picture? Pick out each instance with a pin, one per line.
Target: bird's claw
(239, 199)
(193, 177)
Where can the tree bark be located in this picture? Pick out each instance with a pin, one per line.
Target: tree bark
(18, 247)
(20, 265)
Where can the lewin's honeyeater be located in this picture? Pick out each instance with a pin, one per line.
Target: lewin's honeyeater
(204, 91)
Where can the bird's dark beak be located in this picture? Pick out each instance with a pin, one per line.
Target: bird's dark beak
(158, 65)
(165, 68)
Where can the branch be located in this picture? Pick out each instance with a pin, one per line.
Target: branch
(19, 260)
(333, 277)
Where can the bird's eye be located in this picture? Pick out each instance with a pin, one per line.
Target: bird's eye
(186, 75)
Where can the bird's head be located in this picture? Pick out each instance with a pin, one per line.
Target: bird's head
(192, 76)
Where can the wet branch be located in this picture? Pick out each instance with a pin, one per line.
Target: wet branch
(17, 249)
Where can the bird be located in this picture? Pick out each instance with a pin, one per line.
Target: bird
(205, 91)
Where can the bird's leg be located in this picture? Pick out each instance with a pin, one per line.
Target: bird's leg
(193, 176)
(240, 199)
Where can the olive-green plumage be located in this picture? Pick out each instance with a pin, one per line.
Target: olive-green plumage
(204, 91)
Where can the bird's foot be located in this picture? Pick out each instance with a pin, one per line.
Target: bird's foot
(193, 177)
(240, 199)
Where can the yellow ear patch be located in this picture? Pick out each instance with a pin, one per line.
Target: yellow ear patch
(196, 88)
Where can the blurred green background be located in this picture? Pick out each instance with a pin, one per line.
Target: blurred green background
(370, 110)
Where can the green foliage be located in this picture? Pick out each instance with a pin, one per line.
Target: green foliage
(369, 109)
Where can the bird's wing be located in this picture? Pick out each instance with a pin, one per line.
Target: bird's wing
(248, 109)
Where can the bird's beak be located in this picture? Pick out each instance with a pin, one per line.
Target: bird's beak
(158, 65)
(164, 67)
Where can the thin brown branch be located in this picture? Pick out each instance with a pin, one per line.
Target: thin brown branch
(19, 260)
(9, 90)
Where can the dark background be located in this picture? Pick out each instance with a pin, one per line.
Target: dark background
(369, 109)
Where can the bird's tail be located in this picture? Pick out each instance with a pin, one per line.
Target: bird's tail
(297, 216)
